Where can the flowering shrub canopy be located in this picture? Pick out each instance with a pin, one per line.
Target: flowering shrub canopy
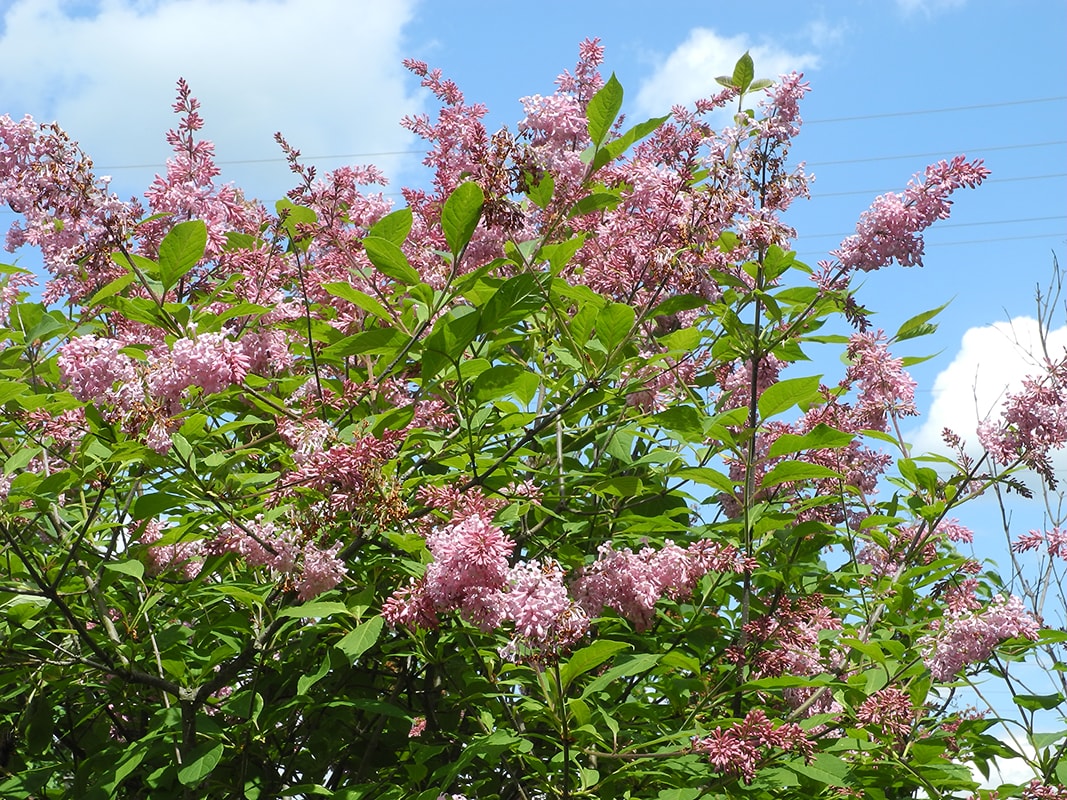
(518, 490)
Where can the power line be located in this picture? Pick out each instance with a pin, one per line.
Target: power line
(933, 155)
(943, 225)
(275, 160)
(1031, 237)
(938, 110)
(992, 180)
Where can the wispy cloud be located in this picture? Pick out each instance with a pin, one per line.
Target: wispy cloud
(327, 74)
(928, 8)
(992, 361)
(689, 71)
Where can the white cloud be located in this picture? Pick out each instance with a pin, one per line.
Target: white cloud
(992, 361)
(326, 73)
(689, 72)
(928, 8)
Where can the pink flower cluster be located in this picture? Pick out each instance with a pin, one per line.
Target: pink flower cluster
(885, 389)
(889, 709)
(969, 637)
(891, 228)
(886, 563)
(91, 367)
(739, 750)
(186, 558)
(300, 563)
(67, 211)
(210, 361)
(470, 573)
(1055, 542)
(1032, 423)
(631, 583)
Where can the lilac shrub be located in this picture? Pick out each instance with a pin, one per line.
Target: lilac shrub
(519, 489)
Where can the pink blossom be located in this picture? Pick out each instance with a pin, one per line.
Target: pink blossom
(885, 389)
(91, 368)
(889, 709)
(470, 569)
(1054, 540)
(1032, 423)
(891, 228)
(739, 750)
(184, 557)
(320, 570)
(968, 637)
(418, 725)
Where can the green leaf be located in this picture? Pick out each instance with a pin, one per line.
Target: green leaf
(598, 201)
(821, 437)
(305, 682)
(917, 325)
(505, 380)
(613, 324)
(150, 506)
(1035, 702)
(395, 226)
(202, 761)
(133, 568)
(708, 477)
(616, 147)
(744, 72)
(372, 342)
(390, 260)
(603, 109)
(112, 288)
(541, 194)
(824, 768)
(589, 658)
(314, 610)
(460, 216)
(357, 298)
(788, 393)
(361, 638)
(642, 662)
(11, 389)
(789, 471)
(180, 250)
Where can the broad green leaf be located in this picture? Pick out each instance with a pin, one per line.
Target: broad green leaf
(642, 662)
(305, 682)
(112, 288)
(541, 193)
(11, 389)
(372, 342)
(395, 226)
(180, 250)
(357, 298)
(789, 471)
(390, 260)
(460, 216)
(598, 201)
(613, 324)
(1036, 702)
(202, 762)
(505, 380)
(708, 477)
(821, 437)
(744, 72)
(133, 568)
(917, 325)
(825, 768)
(589, 658)
(314, 610)
(361, 638)
(603, 109)
(150, 506)
(783, 395)
(616, 147)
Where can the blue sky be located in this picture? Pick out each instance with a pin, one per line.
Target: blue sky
(896, 85)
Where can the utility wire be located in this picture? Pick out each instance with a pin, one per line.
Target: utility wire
(943, 225)
(1033, 101)
(991, 180)
(933, 155)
